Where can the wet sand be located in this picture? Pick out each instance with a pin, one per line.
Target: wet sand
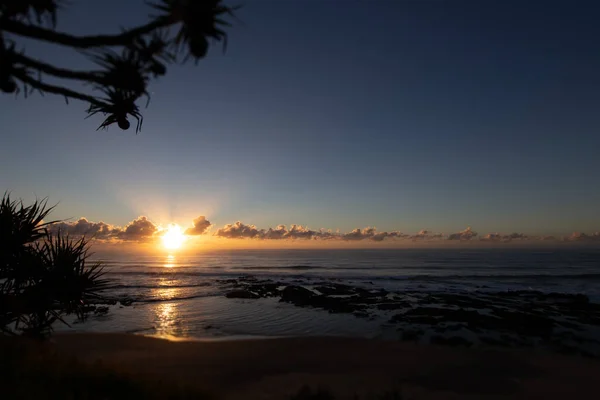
(276, 368)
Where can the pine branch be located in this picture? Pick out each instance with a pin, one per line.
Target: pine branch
(82, 42)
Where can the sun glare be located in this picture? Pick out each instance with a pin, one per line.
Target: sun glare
(173, 237)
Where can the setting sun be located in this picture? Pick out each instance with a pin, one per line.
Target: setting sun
(173, 237)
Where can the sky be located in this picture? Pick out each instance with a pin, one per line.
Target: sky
(432, 115)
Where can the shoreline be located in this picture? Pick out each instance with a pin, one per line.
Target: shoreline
(277, 367)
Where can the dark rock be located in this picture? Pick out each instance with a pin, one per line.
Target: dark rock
(493, 342)
(451, 341)
(461, 301)
(126, 302)
(101, 310)
(265, 289)
(361, 314)
(411, 335)
(241, 294)
(88, 309)
(336, 289)
(297, 295)
(522, 323)
(397, 305)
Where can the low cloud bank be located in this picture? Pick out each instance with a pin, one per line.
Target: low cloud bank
(142, 229)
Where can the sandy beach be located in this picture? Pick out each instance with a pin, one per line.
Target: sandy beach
(276, 368)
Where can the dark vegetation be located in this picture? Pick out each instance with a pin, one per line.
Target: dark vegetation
(177, 31)
(43, 278)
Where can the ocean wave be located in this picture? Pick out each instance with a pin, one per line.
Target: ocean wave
(147, 286)
(175, 298)
(367, 276)
(296, 267)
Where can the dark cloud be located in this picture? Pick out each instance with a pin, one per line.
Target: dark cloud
(201, 225)
(467, 234)
(139, 229)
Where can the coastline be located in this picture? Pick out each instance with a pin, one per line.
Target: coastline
(277, 367)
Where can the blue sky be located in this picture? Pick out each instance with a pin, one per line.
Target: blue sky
(402, 115)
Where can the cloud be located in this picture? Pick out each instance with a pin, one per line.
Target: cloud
(201, 225)
(275, 234)
(139, 229)
(497, 237)
(358, 234)
(143, 229)
(425, 234)
(583, 237)
(83, 227)
(239, 230)
(299, 232)
(467, 234)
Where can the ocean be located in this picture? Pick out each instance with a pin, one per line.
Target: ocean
(185, 297)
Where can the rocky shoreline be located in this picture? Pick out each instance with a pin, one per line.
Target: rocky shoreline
(566, 323)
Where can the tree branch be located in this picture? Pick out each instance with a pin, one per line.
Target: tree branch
(88, 76)
(82, 42)
(44, 87)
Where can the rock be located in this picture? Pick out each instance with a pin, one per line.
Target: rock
(451, 341)
(297, 295)
(241, 294)
(336, 289)
(493, 342)
(361, 314)
(101, 310)
(397, 305)
(126, 302)
(461, 300)
(523, 323)
(265, 289)
(411, 335)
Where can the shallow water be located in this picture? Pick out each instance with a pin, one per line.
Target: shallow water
(181, 296)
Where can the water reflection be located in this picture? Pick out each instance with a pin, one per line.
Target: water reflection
(170, 262)
(167, 318)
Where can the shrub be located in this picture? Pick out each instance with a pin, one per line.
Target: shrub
(43, 277)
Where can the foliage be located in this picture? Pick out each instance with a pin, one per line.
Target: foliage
(177, 30)
(42, 277)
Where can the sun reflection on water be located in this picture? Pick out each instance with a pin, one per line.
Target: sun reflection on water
(167, 316)
(170, 262)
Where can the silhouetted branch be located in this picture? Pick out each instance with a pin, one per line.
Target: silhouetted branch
(44, 87)
(126, 62)
(58, 72)
(82, 42)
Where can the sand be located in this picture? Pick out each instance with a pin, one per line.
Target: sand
(275, 368)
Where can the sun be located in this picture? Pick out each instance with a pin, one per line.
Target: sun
(173, 238)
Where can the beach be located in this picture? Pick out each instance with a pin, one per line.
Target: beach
(276, 368)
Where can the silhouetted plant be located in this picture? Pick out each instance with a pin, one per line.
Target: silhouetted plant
(178, 29)
(43, 278)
